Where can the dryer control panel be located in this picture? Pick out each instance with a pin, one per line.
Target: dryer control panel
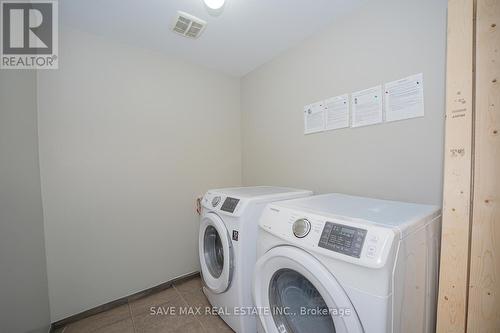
(349, 239)
(343, 239)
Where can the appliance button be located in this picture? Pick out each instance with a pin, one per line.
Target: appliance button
(371, 251)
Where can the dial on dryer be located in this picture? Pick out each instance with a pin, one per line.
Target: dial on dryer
(301, 228)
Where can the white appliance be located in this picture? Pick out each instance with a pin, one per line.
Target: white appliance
(341, 263)
(227, 247)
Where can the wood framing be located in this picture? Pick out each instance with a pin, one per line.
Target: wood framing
(484, 291)
(454, 269)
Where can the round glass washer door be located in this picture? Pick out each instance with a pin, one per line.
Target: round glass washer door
(291, 290)
(215, 252)
(301, 294)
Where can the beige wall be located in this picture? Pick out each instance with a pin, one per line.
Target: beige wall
(24, 299)
(382, 41)
(128, 138)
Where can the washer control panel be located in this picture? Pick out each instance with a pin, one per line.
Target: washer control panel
(230, 204)
(343, 239)
(219, 202)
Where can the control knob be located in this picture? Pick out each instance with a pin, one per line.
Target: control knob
(301, 228)
(215, 201)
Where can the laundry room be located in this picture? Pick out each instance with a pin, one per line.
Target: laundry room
(284, 166)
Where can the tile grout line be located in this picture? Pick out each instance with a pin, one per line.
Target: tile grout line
(131, 316)
(185, 301)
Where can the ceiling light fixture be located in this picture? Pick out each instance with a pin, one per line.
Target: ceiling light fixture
(214, 4)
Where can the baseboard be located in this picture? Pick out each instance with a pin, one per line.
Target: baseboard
(121, 301)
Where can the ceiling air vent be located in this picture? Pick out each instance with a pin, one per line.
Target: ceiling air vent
(188, 25)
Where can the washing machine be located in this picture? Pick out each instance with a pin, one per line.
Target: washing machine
(339, 263)
(227, 248)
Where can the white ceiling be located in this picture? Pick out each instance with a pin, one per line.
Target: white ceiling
(245, 35)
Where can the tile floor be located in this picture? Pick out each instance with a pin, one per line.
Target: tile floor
(135, 317)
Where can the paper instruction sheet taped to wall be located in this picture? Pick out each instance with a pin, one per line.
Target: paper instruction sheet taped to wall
(337, 112)
(314, 118)
(404, 98)
(367, 107)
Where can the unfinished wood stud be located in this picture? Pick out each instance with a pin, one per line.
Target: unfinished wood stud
(453, 281)
(483, 314)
